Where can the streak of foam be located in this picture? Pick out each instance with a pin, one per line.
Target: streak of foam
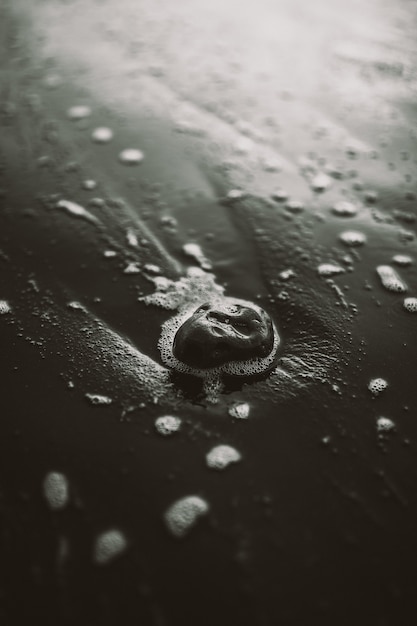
(76, 210)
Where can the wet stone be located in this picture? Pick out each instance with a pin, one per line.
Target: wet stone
(218, 333)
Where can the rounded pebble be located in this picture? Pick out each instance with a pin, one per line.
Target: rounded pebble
(410, 305)
(108, 546)
(167, 424)
(184, 513)
(102, 134)
(221, 456)
(131, 156)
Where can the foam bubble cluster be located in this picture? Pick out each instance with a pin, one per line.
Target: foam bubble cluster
(184, 514)
(194, 250)
(131, 156)
(390, 279)
(384, 425)
(4, 307)
(108, 546)
(410, 305)
(352, 238)
(329, 269)
(221, 456)
(402, 259)
(167, 424)
(56, 490)
(240, 410)
(102, 134)
(344, 209)
(376, 385)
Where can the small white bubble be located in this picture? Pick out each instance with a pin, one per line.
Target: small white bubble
(384, 424)
(78, 112)
(167, 424)
(131, 156)
(410, 305)
(221, 456)
(102, 134)
(376, 385)
(344, 209)
(280, 195)
(390, 279)
(329, 269)
(184, 513)
(240, 410)
(98, 399)
(152, 269)
(108, 546)
(402, 259)
(4, 307)
(56, 490)
(352, 238)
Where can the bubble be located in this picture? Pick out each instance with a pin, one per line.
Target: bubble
(76, 209)
(108, 546)
(193, 250)
(240, 410)
(167, 424)
(329, 269)
(4, 307)
(384, 424)
(78, 112)
(184, 514)
(410, 305)
(344, 209)
(352, 238)
(376, 385)
(320, 183)
(97, 399)
(131, 156)
(390, 279)
(402, 259)
(102, 134)
(221, 456)
(56, 490)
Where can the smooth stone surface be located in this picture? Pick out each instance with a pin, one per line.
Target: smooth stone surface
(218, 333)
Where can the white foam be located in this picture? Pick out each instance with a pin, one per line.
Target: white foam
(344, 209)
(131, 156)
(56, 490)
(196, 287)
(184, 513)
(221, 456)
(132, 268)
(320, 182)
(376, 385)
(76, 209)
(240, 410)
(329, 269)
(89, 184)
(102, 134)
(108, 546)
(402, 259)
(132, 239)
(78, 112)
(295, 206)
(98, 399)
(194, 250)
(167, 424)
(390, 279)
(410, 305)
(352, 238)
(4, 307)
(384, 424)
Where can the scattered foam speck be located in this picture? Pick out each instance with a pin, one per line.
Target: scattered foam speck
(410, 305)
(132, 239)
(108, 546)
(56, 490)
(167, 424)
(131, 156)
(76, 306)
(352, 238)
(102, 134)
(132, 268)
(184, 513)
(344, 209)
(76, 209)
(390, 279)
(320, 182)
(376, 385)
(98, 399)
(78, 112)
(240, 410)
(89, 184)
(221, 456)
(402, 259)
(197, 286)
(384, 424)
(295, 206)
(194, 250)
(329, 269)
(4, 307)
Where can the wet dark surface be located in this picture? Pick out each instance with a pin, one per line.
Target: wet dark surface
(316, 523)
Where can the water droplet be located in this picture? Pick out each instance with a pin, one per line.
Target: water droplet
(102, 134)
(108, 546)
(344, 209)
(56, 490)
(376, 385)
(131, 156)
(352, 238)
(4, 307)
(78, 112)
(221, 456)
(184, 513)
(410, 305)
(390, 279)
(240, 410)
(98, 400)
(168, 424)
